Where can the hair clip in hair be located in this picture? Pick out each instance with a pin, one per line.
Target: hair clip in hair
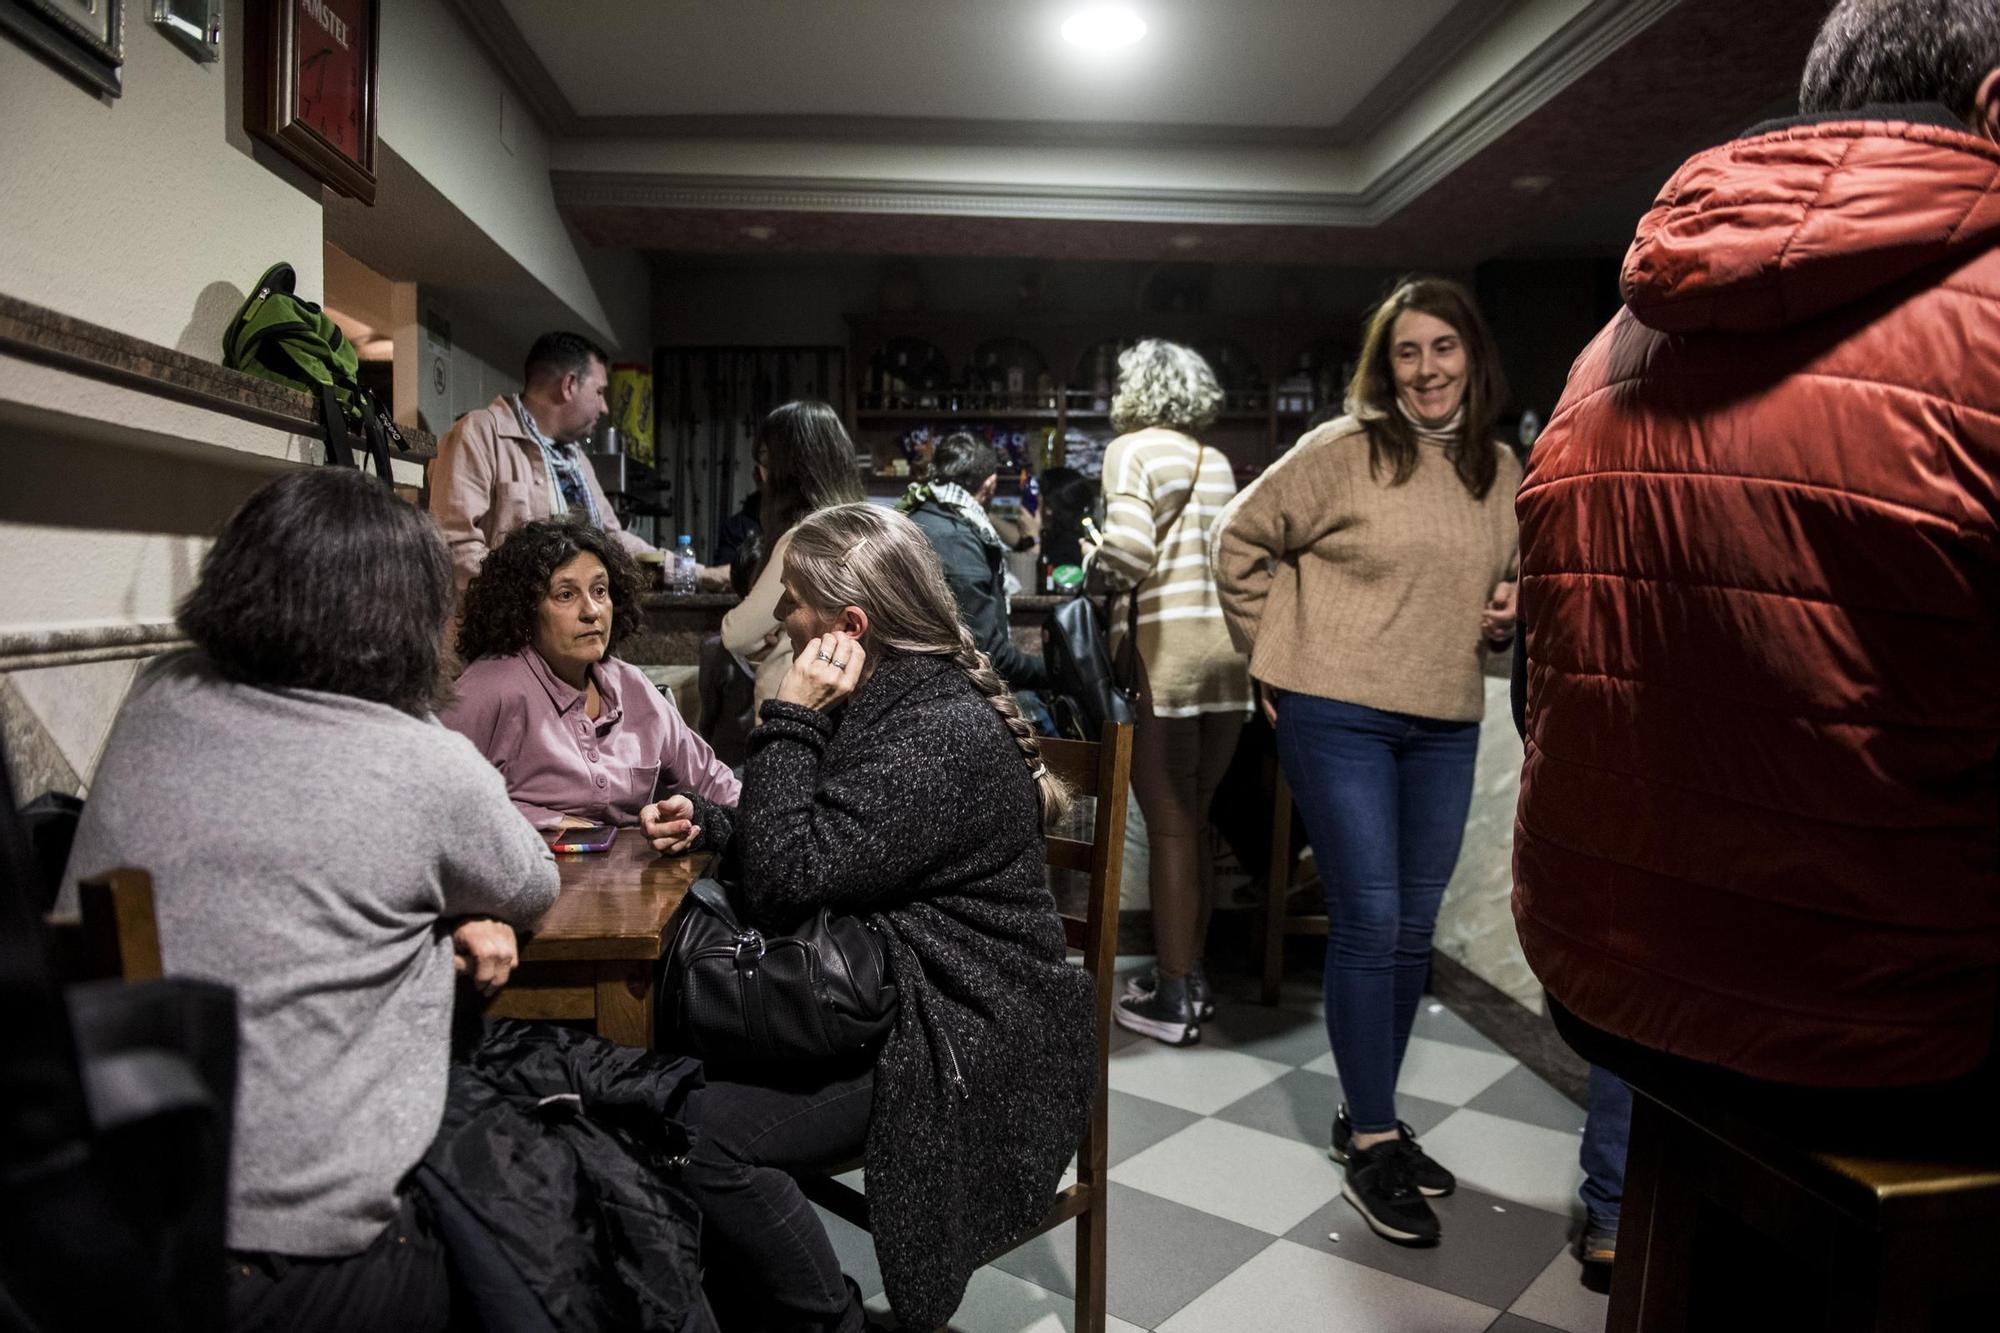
(1040, 771)
(855, 549)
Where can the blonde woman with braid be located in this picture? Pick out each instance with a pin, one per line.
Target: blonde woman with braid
(892, 777)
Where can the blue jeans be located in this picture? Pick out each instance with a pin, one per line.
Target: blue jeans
(1607, 1128)
(1384, 798)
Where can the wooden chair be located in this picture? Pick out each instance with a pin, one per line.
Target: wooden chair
(1102, 769)
(116, 934)
(1278, 885)
(1718, 1205)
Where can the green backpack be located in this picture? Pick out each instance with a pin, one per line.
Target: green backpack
(278, 337)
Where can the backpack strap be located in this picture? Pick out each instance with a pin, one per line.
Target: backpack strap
(378, 442)
(333, 429)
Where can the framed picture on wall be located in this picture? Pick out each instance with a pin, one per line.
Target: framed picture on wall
(85, 39)
(195, 25)
(311, 70)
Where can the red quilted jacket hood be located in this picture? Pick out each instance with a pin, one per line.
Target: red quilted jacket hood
(1765, 232)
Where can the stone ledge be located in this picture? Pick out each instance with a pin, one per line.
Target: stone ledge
(36, 333)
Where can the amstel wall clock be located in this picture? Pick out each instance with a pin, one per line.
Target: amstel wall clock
(312, 70)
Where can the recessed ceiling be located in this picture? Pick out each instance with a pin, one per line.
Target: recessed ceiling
(1364, 132)
(1239, 63)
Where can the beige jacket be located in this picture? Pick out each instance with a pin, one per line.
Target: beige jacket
(489, 479)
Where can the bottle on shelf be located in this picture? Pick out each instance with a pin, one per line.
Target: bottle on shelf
(685, 566)
(1295, 392)
(899, 380)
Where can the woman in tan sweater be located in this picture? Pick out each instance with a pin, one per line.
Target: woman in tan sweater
(1363, 572)
(1163, 491)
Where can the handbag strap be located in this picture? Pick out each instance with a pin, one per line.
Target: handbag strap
(1125, 671)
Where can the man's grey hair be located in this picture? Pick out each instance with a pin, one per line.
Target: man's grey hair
(1893, 51)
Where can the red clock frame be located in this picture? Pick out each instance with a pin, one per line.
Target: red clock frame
(313, 70)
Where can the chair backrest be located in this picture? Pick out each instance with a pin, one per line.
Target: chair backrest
(1101, 769)
(117, 933)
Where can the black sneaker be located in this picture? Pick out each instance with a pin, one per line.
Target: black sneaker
(1597, 1245)
(1380, 1187)
(1431, 1179)
(1163, 1017)
(1141, 987)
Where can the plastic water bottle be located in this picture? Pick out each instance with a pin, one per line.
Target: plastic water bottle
(684, 566)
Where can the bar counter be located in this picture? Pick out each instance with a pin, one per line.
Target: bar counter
(676, 623)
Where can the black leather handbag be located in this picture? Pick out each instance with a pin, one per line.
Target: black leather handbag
(734, 995)
(1086, 690)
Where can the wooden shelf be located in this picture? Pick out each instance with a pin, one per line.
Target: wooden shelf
(1262, 352)
(1043, 415)
(36, 333)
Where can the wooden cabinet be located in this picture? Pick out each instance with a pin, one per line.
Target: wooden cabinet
(1049, 379)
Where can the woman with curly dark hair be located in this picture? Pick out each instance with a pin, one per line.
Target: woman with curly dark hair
(580, 736)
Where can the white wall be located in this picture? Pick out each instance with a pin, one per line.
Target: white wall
(444, 110)
(149, 213)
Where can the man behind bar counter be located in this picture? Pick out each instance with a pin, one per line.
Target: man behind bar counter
(516, 459)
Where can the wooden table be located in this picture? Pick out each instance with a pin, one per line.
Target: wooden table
(596, 952)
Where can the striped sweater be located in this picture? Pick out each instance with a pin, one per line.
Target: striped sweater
(1157, 518)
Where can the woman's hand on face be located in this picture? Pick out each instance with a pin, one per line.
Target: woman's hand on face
(825, 673)
(485, 949)
(1496, 622)
(669, 825)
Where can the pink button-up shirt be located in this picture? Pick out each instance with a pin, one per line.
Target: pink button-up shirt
(558, 761)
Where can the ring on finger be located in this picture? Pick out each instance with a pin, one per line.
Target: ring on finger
(838, 665)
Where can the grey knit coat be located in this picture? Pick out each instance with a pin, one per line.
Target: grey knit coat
(912, 806)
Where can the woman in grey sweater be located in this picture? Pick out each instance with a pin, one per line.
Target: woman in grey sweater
(320, 843)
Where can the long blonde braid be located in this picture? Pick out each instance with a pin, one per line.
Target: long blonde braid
(978, 669)
(871, 557)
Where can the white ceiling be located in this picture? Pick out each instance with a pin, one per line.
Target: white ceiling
(1235, 63)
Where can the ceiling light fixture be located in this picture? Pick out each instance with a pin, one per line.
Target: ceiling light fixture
(1187, 240)
(1532, 184)
(759, 233)
(1103, 27)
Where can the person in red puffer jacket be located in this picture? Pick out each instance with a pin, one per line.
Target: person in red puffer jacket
(1759, 825)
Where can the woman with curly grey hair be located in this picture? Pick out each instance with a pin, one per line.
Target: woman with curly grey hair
(1163, 491)
(581, 737)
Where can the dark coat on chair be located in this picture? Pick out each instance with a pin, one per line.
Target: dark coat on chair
(911, 804)
(554, 1179)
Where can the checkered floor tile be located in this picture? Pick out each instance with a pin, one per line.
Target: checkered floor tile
(1223, 1203)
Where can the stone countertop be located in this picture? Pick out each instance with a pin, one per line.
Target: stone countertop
(699, 601)
(1025, 604)
(36, 333)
